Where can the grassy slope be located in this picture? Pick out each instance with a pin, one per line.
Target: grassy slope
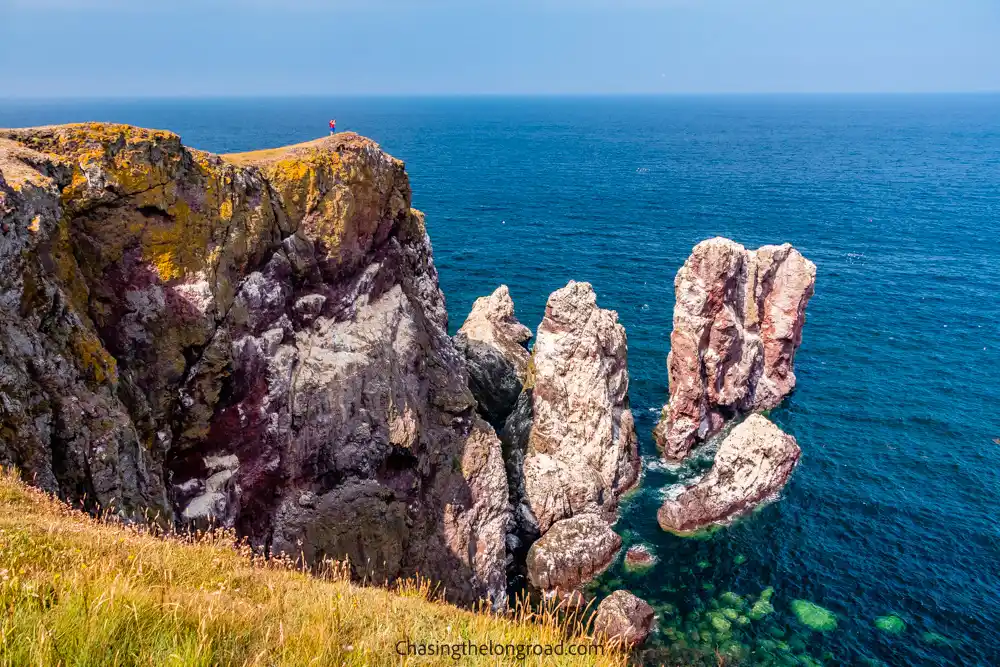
(76, 591)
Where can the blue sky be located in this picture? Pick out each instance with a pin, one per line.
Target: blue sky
(54, 48)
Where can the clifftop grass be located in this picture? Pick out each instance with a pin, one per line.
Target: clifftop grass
(78, 591)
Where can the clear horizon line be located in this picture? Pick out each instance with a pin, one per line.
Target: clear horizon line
(260, 96)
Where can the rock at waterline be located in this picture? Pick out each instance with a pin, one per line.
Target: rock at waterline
(624, 618)
(639, 558)
(753, 463)
(738, 319)
(572, 552)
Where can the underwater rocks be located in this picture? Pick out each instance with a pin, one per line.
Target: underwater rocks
(624, 618)
(571, 553)
(813, 616)
(257, 341)
(892, 624)
(582, 450)
(753, 463)
(738, 322)
(493, 342)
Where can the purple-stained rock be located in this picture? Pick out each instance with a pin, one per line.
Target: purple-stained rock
(639, 558)
(257, 341)
(738, 322)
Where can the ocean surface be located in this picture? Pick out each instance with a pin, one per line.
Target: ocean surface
(895, 507)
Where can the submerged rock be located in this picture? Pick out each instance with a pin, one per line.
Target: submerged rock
(738, 322)
(255, 340)
(892, 624)
(814, 616)
(622, 617)
(571, 553)
(753, 463)
(493, 342)
(762, 607)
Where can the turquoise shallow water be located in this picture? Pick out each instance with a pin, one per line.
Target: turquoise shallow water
(896, 199)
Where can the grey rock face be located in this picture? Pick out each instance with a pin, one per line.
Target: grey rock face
(256, 341)
(752, 465)
(493, 342)
(622, 617)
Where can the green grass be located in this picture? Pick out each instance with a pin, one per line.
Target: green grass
(75, 590)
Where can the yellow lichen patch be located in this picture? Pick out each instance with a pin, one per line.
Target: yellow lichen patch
(93, 359)
(68, 271)
(179, 245)
(413, 226)
(529, 374)
(35, 225)
(226, 211)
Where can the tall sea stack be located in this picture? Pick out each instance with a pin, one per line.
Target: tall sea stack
(738, 321)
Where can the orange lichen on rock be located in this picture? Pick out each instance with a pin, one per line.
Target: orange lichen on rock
(93, 359)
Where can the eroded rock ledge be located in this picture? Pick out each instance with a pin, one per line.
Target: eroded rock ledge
(255, 340)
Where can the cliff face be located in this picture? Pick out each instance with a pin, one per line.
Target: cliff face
(258, 340)
(737, 323)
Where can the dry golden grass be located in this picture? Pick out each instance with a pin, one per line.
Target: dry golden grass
(78, 591)
(269, 154)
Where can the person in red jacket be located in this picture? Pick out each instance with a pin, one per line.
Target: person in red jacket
(333, 126)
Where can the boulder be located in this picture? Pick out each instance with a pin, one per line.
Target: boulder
(570, 553)
(752, 465)
(639, 558)
(493, 343)
(623, 618)
(738, 321)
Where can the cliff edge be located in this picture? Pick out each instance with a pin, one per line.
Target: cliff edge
(258, 341)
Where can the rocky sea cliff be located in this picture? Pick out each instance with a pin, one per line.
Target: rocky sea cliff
(258, 341)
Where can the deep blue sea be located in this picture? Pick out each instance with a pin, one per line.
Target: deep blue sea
(895, 507)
